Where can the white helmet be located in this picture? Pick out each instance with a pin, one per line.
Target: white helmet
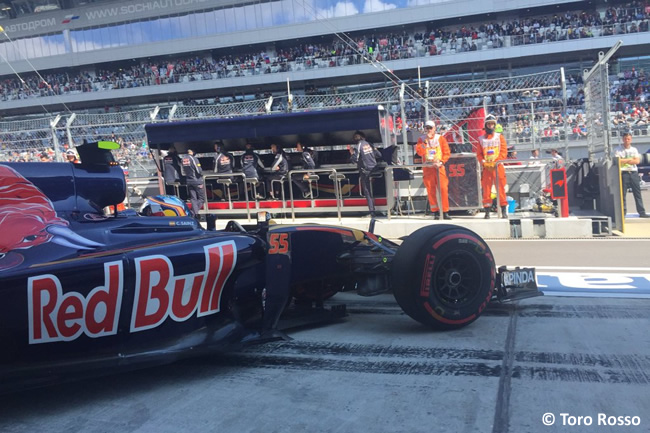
(490, 118)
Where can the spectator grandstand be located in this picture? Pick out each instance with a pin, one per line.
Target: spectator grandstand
(578, 24)
(540, 118)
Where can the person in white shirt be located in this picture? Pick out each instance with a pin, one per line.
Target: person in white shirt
(534, 159)
(556, 155)
(628, 158)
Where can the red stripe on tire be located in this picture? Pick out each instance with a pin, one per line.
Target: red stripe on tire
(445, 320)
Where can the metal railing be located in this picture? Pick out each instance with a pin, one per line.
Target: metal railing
(337, 189)
(137, 186)
(229, 176)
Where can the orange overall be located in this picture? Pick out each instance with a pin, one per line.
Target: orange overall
(491, 149)
(435, 150)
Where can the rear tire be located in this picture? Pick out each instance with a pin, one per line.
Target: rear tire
(443, 276)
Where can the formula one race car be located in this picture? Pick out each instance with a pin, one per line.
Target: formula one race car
(84, 292)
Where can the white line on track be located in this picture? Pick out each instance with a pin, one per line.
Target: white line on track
(490, 240)
(585, 268)
(595, 284)
(597, 294)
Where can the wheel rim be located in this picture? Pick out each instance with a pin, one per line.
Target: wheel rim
(457, 279)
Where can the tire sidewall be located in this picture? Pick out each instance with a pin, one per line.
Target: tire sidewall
(417, 264)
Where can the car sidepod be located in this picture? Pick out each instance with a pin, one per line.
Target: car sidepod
(129, 307)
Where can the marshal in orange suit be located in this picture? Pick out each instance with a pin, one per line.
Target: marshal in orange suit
(491, 149)
(434, 150)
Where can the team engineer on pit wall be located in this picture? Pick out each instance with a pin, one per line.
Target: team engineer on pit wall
(308, 163)
(172, 172)
(491, 149)
(434, 150)
(252, 167)
(224, 162)
(364, 155)
(194, 179)
(279, 170)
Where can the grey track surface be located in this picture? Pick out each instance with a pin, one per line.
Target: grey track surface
(379, 371)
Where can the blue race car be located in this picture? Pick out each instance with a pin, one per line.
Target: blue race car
(85, 291)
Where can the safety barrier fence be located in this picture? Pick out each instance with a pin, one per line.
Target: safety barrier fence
(446, 101)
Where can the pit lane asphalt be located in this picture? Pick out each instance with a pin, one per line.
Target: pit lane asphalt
(379, 371)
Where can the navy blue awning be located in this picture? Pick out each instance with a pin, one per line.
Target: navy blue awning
(312, 128)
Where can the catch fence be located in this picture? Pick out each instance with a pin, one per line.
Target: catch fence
(596, 83)
(531, 109)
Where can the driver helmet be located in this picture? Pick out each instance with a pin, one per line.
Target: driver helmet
(164, 205)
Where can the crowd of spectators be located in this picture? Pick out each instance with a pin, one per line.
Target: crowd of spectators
(525, 118)
(129, 151)
(628, 18)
